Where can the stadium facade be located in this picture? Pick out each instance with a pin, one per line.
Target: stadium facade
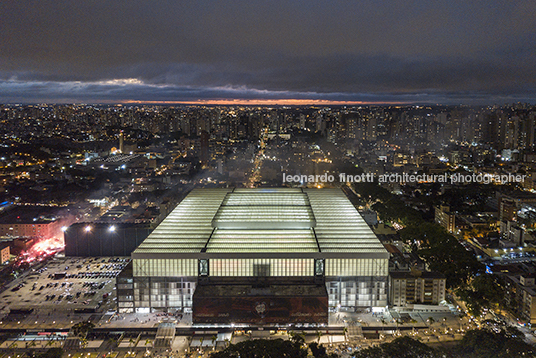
(275, 255)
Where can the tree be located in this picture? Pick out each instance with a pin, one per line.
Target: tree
(263, 348)
(442, 252)
(82, 329)
(297, 338)
(482, 292)
(213, 339)
(403, 347)
(319, 351)
(496, 341)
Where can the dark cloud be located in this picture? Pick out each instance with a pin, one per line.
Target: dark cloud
(123, 91)
(395, 50)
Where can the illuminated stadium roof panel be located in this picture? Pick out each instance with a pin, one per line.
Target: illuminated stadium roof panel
(339, 227)
(269, 221)
(255, 198)
(262, 241)
(264, 210)
(188, 227)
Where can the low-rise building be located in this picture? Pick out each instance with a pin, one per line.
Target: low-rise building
(30, 222)
(521, 295)
(104, 239)
(512, 232)
(414, 287)
(4, 252)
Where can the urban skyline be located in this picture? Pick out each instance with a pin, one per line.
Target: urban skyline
(97, 201)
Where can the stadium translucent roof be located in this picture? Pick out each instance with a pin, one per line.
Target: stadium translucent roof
(247, 221)
(264, 210)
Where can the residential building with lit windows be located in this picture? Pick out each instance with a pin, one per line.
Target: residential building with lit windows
(258, 256)
(28, 221)
(416, 287)
(4, 252)
(445, 218)
(521, 295)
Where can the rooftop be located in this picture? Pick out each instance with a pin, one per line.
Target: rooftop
(278, 220)
(29, 215)
(416, 274)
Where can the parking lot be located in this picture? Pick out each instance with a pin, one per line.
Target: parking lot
(64, 285)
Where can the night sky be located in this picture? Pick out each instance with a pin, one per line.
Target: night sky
(421, 52)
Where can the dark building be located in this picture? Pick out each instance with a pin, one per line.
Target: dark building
(261, 304)
(103, 239)
(204, 154)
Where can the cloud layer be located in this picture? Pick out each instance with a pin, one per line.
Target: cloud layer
(377, 50)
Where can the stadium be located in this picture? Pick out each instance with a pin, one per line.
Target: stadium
(258, 256)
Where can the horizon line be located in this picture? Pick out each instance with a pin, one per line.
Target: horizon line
(267, 102)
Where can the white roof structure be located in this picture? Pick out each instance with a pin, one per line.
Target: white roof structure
(271, 222)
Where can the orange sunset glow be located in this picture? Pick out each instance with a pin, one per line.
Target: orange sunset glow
(264, 102)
